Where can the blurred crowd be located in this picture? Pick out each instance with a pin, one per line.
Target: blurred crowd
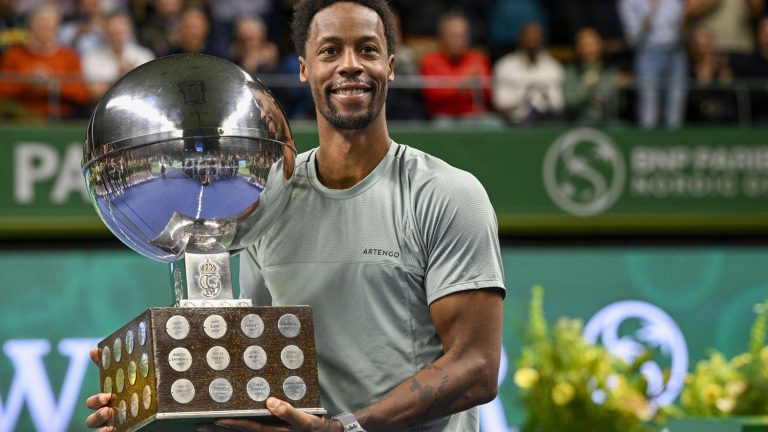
(657, 63)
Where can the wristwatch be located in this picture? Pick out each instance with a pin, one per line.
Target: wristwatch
(349, 422)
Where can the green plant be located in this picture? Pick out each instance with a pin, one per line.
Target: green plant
(738, 386)
(568, 384)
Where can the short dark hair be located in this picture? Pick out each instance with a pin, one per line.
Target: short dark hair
(305, 10)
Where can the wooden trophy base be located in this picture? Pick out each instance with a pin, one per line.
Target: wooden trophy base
(173, 368)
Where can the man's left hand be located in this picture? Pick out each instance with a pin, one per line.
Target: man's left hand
(298, 421)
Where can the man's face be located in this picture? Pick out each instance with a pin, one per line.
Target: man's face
(454, 36)
(589, 45)
(44, 27)
(347, 65)
(118, 30)
(530, 39)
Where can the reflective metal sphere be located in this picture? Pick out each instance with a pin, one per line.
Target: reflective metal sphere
(188, 153)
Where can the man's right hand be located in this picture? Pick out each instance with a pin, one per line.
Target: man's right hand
(102, 418)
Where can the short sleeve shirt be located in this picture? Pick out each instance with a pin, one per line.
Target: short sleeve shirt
(370, 260)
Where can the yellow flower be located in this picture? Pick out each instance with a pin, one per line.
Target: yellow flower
(525, 378)
(562, 393)
(743, 359)
(735, 388)
(711, 393)
(725, 405)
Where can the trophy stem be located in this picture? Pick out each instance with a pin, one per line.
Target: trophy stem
(208, 281)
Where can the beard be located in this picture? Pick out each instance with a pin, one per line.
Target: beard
(351, 121)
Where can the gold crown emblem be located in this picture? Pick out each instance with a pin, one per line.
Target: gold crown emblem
(208, 268)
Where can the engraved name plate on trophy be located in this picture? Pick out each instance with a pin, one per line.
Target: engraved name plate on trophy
(187, 160)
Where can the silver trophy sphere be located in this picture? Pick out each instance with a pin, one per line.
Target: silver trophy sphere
(189, 156)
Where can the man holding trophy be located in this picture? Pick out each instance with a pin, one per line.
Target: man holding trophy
(396, 252)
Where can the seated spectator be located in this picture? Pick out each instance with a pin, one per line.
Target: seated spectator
(45, 77)
(12, 29)
(653, 28)
(252, 50)
(258, 56)
(154, 32)
(225, 15)
(528, 82)
(456, 77)
(754, 69)
(103, 66)
(191, 35)
(85, 31)
(590, 84)
(709, 100)
(404, 103)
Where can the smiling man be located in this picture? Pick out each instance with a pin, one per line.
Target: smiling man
(396, 251)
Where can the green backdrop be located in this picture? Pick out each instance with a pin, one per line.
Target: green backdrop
(540, 181)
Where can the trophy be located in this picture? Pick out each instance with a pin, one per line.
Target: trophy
(187, 160)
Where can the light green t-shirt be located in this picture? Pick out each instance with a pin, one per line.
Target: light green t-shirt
(369, 260)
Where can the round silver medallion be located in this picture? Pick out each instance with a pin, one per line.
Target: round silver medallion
(106, 357)
(255, 357)
(180, 359)
(177, 327)
(258, 389)
(120, 380)
(107, 385)
(218, 358)
(134, 405)
(118, 349)
(132, 372)
(215, 326)
(294, 388)
(146, 397)
(252, 326)
(142, 333)
(144, 365)
(121, 412)
(182, 391)
(129, 341)
(292, 357)
(289, 325)
(220, 390)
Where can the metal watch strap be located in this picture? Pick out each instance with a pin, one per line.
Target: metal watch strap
(349, 422)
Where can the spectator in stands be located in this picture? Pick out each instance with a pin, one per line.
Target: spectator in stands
(84, 31)
(731, 20)
(456, 77)
(528, 82)
(46, 76)
(252, 50)
(225, 14)
(710, 100)
(653, 28)
(258, 56)
(120, 54)
(12, 29)
(754, 68)
(590, 84)
(155, 31)
(191, 35)
(404, 103)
